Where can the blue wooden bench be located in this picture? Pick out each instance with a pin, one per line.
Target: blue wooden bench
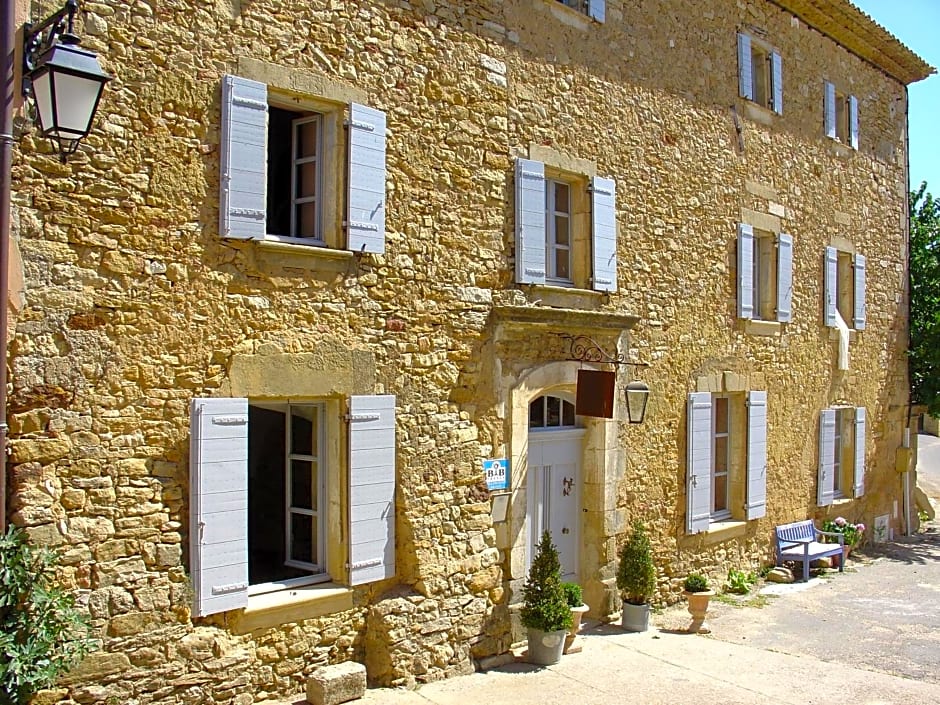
(799, 542)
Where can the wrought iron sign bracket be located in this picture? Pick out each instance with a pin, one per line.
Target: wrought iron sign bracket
(582, 348)
(39, 38)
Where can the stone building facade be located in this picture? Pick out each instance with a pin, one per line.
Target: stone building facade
(319, 261)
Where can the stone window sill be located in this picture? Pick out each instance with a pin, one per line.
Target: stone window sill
(839, 148)
(758, 113)
(769, 328)
(567, 15)
(289, 254)
(292, 605)
(565, 297)
(724, 531)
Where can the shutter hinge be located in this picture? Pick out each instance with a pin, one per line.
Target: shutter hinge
(361, 125)
(361, 417)
(367, 564)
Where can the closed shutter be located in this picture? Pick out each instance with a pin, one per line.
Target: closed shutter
(699, 462)
(827, 446)
(218, 482)
(829, 109)
(784, 278)
(597, 9)
(604, 233)
(853, 121)
(859, 276)
(745, 81)
(756, 455)
(746, 292)
(830, 275)
(858, 488)
(243, 161)
(776, 65)
(371, 488)
(366, 189)
(530, 222)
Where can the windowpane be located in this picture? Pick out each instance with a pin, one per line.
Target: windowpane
(721, 414)
(567, 413)
(307, 180)
(721, 454)
(561, 197)
(562, 233)
(721, 493)
(303, 486)
(306, 220)
(562, 264)
(554, 411)
(537, 413)
(303, 538)
(303, 422)
(307, 141)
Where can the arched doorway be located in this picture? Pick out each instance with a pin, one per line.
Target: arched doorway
(555, 446)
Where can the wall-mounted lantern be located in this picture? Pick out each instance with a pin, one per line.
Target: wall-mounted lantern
(638, 395)
(64, 80)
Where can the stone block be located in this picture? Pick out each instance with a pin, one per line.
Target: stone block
(340, 683)
(780, 575)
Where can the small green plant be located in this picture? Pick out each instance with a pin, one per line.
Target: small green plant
(42, 633)
(923, 516)
(636, 574)
(573, 594)
(695, 582)
(740, 581)
(544, 604)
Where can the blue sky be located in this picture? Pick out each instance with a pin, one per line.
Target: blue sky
(917, 24)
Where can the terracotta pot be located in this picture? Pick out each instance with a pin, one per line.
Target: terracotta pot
(576, 614)
(698, 606)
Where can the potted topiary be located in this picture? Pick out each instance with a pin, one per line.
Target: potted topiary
(636, 579)
(545, 612)
(578, 608)
(698, 595)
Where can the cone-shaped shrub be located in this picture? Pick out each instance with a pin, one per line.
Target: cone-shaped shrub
(544, 604)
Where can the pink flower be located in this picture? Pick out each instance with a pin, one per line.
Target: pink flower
(839, 521)
(860, 527)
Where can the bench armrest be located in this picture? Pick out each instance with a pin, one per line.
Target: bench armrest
(836, 534)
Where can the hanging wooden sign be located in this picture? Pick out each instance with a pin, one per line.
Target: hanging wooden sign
(595, 395)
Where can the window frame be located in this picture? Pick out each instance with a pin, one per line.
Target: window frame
(296, 164)
(552, 246)
(730, 466)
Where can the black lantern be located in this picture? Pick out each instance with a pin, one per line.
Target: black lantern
(638, 394)
(64, 80)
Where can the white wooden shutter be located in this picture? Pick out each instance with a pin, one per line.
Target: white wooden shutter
(699, 462)
(784, 278)
(597, 9)
(776, 65)
(365, 196)
(746, 293)
(745, 81)
(858, 488)
(371, 488)
(858, 269)
(604, 233)
(530, 222)
(830, 275)
(218, 484)
(827, 445)
(853, 121)
(243, 160)
(829, 109)
(756, 455)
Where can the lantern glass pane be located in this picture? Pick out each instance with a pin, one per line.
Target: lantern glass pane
(76, 98)
(42, 89)
(636, 404)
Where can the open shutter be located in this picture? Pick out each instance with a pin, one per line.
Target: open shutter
(218, 482)
(699, 461)
(371, 488)
(859, 272)
(365, 197)
(827, 447)
(858, 488)
(853, 121)
(597, 10)
(243, 163)
(745, 271)
(745, 81)
(530, 222)
(830, 293)
(829, 109)
(756, 455)
(604, 232)
(776, 65)
(784, 278)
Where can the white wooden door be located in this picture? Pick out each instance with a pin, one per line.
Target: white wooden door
(554, 476)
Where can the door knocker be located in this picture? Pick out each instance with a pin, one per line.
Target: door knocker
(567, 485)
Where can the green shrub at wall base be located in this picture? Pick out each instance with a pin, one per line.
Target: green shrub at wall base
(573, 594)
(695, 582)
(636, 574)
(544, 603)
(42, 633)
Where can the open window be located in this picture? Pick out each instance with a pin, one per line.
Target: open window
(845, 289)
(841, 115)
(765, 274)
(841, 472)
(760, 73)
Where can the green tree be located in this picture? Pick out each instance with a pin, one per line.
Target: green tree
(925, 299)
(42, 632)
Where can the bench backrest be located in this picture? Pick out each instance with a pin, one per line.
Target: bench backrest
(797, 531)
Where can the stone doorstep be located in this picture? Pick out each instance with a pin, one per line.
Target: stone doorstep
(338, 683)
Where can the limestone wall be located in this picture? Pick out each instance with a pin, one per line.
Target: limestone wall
(133, 305)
